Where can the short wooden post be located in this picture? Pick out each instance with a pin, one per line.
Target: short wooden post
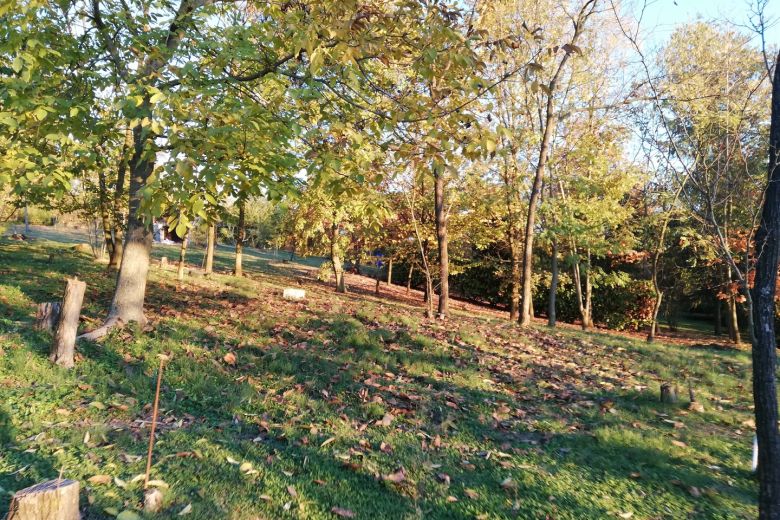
(668, 393)
(53, 500)
(47, 316)
(164, 263)
(64, 344)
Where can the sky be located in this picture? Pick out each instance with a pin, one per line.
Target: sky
(662, 16)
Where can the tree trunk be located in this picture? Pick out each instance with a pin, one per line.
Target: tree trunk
(53, 500)
(514, 297)
(409, 279)
(182, 255)
(105, 218)
(551, 319)
(336, 260)
(47, 316)
(583, 300)
(718, 317)
(127, 304)
(27, 220)
(441, 237)
(765, 345)
(240, 238)
(390, 271)
(550, 118)
(62, 348)
(588, 317)
(119, 194)
(211, 242)
(733, 318)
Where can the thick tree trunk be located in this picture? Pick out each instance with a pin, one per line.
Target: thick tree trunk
(409, 279)
(182, 255)
(441, 237)
(64, 343)
(240, 238)
(765, 343)
(551, 319)
(211, 242)
(127, 304)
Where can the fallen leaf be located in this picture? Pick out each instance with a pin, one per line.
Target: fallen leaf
(387, 420)
(292, 491)
(229, 358)
(627, 514)
(100, 479)
(327, 441)
(340, 511)
(508, 483)
(471, 493)
(186, 510)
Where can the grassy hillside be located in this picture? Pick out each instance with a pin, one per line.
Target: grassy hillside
(356, 405)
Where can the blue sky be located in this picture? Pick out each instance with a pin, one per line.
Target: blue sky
(662, 16)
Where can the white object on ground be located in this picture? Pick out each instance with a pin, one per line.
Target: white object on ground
(294, 294)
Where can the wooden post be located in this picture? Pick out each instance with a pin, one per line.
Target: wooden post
(47, 316)
(64, 343)
(164, 263)
(53, 500)
(668, 393)
(154, 423)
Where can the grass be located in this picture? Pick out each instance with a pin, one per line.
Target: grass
(358, 403)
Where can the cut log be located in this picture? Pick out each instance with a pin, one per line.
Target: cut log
(668, 393)
(294, 294)
(64, 344)
(53, 500)
(47, 316)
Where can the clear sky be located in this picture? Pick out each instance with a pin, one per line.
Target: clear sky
(662, 16)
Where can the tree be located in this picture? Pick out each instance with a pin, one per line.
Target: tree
(764, 309)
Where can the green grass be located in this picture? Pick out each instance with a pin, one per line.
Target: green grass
(331, 395)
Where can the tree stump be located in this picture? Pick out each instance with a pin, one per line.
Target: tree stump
(668, 393)
(64, 344)
(47, 316)
(53, 500)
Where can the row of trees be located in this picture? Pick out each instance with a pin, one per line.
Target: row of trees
(521, 152)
